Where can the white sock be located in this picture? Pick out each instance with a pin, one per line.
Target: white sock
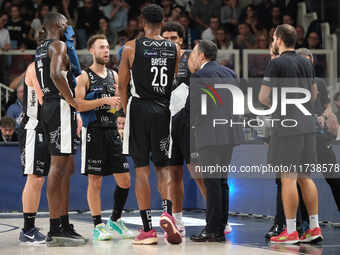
(178, 216)
(313, 221)
(291, 225)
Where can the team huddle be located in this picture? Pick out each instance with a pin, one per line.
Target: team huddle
(151, 88)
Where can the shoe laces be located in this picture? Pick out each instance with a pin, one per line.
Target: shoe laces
(121, 223)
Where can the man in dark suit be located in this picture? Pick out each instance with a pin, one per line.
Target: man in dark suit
(213, 144)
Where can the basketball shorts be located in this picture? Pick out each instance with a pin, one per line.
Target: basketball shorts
(58, 120)
(147, 131)
(101, 152)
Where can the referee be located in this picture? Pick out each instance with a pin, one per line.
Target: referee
(292, 146)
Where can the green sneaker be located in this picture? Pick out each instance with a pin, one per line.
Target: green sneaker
(100, 233)
(119, 227)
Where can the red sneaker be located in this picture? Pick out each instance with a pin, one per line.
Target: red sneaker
(143, 237)
(314, 235)
(286, 238)
(168, 224)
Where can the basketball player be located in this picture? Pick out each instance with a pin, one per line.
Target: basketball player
(58, 121)
(101, 144)
(151, 64)
(35, 160)
(180, 145)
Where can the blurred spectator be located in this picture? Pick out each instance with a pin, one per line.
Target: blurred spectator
(245, 39)
(87, 23)
(104, 29)
(252, 19)
(6, 6)
(5, 41)
(167, 8)
(14, 111)
(69, 9)
(224, 43)
(276, 17)
(36, 25)
(17, 28)
(209, 33)
(7, 130)
(37, 3)
(117, 13)
(320, 61)
(132, 28)
(5, 46)
(337, 104)
(202, 10)
(230, 12)
(314, 41)
(175, 14)
(288, 19)
(257, 62)
(264, 11)
(289, 7)
(191, 33)
(300, 37)
(186, 5)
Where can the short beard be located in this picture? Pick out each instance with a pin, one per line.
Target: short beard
(100, 61)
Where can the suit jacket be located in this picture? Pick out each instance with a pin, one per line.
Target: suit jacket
(202, 129)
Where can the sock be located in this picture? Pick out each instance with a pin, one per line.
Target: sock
(291, 225)
(29, 221)
(314, 221)
(64, 221)
(97, 219)
(146, 218)
(167, 206)
(54, 225)
(119, 197)
(178, 216)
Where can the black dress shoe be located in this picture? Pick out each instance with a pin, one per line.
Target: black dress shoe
(208, 237)
(275, 230)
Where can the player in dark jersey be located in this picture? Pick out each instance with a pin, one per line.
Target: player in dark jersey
(101, 144)
(34, 159)
(180, 139)
(58, 121)
(150, 63)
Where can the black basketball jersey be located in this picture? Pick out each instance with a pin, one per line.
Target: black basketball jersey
(99, 88)
(153, 70)
(183, 74)
(42, 69)
(31, 108)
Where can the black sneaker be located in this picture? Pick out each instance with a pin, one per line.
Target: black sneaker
(71, 231)
(32, 237)
(275, 230)
(63, 239)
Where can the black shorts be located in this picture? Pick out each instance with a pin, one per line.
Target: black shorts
(293, 152)
(34, 154)
(101, 152)
(179, 141)
(58, 120)
(146, 130)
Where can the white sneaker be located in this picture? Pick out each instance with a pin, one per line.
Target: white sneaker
(227, 229)
(180, 226)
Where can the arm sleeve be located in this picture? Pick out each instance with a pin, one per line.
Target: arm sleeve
(270, 74)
